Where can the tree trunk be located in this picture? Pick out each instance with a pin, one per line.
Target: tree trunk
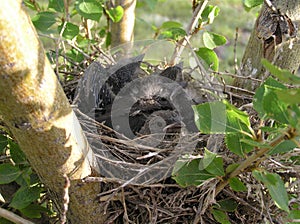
(122, 31)
(36, 110)
(272, 38)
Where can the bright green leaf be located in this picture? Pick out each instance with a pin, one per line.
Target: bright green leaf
(261, 92)
(282, 74)
(220, 216)
(44, 20)
(174, 33)
(170, 24)
(267, 104)
(283, 147)
(116, 14)
(275, 186)
(274, 108)
(8, 173)
(209, 14)
(57, 5)
(25, 196)
(220, 117)
(75, 55)
(237, 185)
(213, 40)
(252, 3)
(70, 30)
(89, 9)
(209, 57)
(186, 173)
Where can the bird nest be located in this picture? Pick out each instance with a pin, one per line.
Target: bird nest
(138, 118)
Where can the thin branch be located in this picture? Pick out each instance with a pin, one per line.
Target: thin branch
(250, 160)
(13, 217)
(181, 45)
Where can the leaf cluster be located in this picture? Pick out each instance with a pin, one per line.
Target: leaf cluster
(276, 100)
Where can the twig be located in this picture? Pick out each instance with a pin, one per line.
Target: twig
(181, 45)
(66, 199)
(250, 160)
(234, 50)
(13, 217)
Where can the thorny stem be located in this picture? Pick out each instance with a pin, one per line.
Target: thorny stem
(253, 158)
(182, 43)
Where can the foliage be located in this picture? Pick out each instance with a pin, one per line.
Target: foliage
(27, 199)
(82, 27)
(272, 101)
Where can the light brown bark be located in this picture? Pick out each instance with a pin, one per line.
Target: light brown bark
(36, 111)
(285, 55)
(122, 31)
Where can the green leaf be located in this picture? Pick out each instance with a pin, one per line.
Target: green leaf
(288, 96)
(186, 173)
(283, 147)
(216, 167)
(71, 30)
(212, 40)
(116, 14)
(267, 104)
(34, 211)
(209, 57)
(227, 205)
(220, 216)
(24, 178)
(252, 3)
(207, 159)
(75, 55)
(170, 24)
(223, 118)
(236, 143)
(260, 93)
(237, 185)
(220, 117)
(230, 168)
(257, 144)
(294, 214)
(3, 143)
(25, 196)
(173, 33)
(57, 5)
(282, 74)
(275, 186)
(209, 14)
(89, 9)
(31, 5)
(8, 173)
(44, 20)
(16, 153)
